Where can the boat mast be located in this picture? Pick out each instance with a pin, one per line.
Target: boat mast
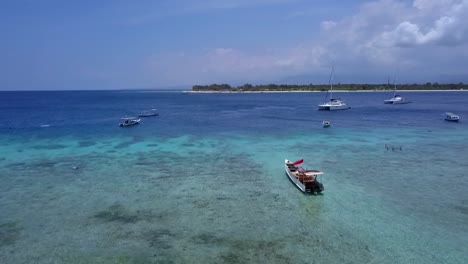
(394, 83)
(331, 82)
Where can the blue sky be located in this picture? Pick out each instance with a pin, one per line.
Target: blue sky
(109, 44)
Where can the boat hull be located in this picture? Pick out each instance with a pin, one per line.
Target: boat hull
(398, 100)
(294, 180)
(401, 102)
(317, 187)
(451, 117)
(333, 107)
(147, 115)
(131, 123)
(127, 125)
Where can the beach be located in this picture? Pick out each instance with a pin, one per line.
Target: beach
(335, 91)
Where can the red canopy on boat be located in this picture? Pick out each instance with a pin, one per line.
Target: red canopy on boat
(297, 162)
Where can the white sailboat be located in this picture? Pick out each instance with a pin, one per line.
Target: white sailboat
(396, 99)
(334, 103)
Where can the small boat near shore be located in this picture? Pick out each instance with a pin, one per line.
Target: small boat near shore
(129, 121)
(451, 117)
(305, 180)
(152, 112)
(326, 123)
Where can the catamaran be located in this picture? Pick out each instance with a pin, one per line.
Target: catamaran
(334, 103)
(396, 99)
(305, 180)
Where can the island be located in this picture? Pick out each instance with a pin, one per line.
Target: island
(324, 87)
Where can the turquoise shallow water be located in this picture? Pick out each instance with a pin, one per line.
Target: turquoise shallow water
(218, 194)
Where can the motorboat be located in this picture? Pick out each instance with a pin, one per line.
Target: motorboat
(334, 103)
(326, 123)
(152, 112)
(305, 180)
(451, 117)
(129, 121)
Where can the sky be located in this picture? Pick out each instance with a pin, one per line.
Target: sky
(120, 44)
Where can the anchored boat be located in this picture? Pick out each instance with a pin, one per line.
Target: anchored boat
(305, 180)
(129, 121)
(396, 99)
(334, 103)
(152, 112)
(451, 117)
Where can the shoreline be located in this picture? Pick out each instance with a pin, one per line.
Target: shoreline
(337, 91)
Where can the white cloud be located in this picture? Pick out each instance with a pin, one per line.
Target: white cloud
(422, 38)
(443, 22)
(388, 33)
(328, 25)
(433, 4)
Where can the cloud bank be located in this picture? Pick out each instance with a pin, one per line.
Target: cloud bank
(424, 38)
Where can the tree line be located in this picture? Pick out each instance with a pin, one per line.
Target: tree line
(325, 87)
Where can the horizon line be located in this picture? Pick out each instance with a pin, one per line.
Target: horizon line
(189, 87)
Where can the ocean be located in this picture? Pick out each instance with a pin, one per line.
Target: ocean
(204, 182)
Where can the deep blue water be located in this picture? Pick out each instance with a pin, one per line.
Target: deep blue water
(98, 112)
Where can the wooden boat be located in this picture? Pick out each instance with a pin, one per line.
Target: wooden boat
(129, 121)
(305, 180)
